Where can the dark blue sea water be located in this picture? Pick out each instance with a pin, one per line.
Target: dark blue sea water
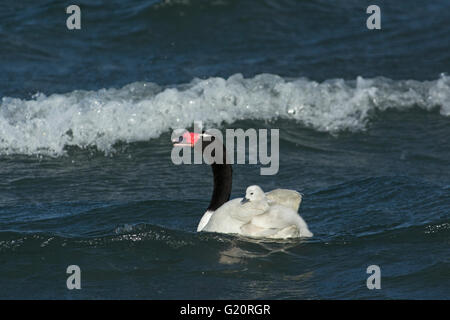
(85, 171)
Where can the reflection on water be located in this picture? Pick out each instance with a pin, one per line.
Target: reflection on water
(241, 249)
(265, 274)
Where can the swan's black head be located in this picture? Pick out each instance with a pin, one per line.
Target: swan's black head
(191, 139)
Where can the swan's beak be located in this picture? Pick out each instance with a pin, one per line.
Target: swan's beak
(244, 200)
(188, 139)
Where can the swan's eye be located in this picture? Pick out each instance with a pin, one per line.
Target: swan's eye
(251, 193)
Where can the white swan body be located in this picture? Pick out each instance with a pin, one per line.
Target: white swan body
(259, 215)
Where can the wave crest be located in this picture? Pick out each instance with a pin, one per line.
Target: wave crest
(142, 111)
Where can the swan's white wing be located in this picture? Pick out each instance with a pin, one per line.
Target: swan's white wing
(285, 197)
(278, 222)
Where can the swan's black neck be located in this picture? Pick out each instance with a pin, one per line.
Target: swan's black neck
(222, 183)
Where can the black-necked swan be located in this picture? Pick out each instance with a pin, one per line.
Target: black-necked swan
(258, 215)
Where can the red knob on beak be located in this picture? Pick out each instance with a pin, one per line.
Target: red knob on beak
(189, 139)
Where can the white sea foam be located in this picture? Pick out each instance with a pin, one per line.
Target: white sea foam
(142, 111)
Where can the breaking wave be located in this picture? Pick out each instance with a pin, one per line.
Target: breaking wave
(142, 111)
